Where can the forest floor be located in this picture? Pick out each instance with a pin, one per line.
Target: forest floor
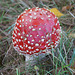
(11, 63)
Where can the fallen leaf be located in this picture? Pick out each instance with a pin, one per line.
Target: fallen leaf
(0, 37)
(67, 7)
(56, 12)
(72, 35)
(36, 68)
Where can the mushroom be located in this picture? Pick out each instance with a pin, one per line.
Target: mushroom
(37, 31)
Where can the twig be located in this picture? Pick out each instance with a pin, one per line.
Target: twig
(43, 4)
(4, 32)
(67, 23)
(24, 4)
(54, 3)
(65, 54)
(7, 52)
(71, 14)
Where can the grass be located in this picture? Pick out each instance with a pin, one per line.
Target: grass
(58, 62)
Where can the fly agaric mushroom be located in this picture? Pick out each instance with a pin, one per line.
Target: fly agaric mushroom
(37, 30)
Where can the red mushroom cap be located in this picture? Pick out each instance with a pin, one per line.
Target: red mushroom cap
(36, 31)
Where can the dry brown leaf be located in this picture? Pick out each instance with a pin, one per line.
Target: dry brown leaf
(0, 37)
(72, 35)
(67, 7)
(73, 66)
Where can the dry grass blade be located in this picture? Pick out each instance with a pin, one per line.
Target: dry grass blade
(11, 46)
(22, 2)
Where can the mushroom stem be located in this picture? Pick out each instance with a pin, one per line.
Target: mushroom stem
(32, 60)
(28, 62)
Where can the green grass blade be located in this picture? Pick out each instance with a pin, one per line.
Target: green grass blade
(73, 57)
(2, 16)
(17, 71)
